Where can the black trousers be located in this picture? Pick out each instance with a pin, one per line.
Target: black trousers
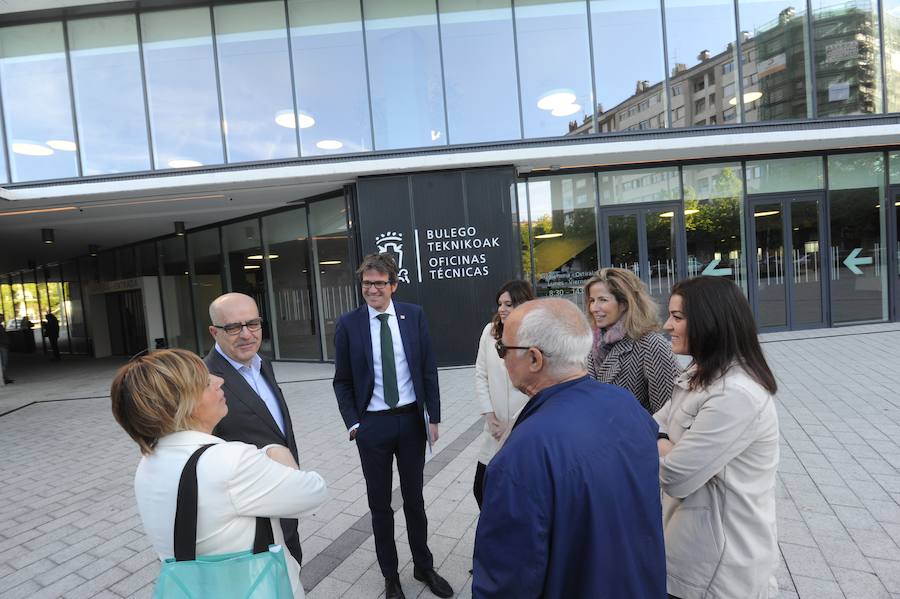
(478, 486)
(380, 438)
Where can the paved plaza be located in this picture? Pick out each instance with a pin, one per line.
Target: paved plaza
(69, 525)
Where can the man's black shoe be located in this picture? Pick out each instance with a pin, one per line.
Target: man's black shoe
(438, 585)
(392, 589)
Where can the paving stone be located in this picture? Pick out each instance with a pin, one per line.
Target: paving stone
(860, 585)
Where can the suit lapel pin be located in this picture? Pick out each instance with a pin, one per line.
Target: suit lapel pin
(403, 317)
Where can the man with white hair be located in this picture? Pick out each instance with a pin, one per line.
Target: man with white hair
(571, 501)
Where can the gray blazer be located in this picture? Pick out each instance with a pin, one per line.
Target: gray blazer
(646, 367)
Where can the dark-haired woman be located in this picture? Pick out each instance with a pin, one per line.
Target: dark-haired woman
(498, 400)
(718, 449)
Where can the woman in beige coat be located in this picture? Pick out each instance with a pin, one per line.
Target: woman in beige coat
(498, 400)
(718, 449)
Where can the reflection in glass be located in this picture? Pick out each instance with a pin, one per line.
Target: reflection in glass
(330, 76)
(770, 284)
(256, 84)
(247, 274)
(554, 67)
(523, 229)
(109, 100)
(660, 229)
(405, 74)
(36, 103)
(639, 185)
(206, 261)
(775, 65)
(894, 160)
(290, 262)
(858, 259)
(891, 25)
(181, 88)
(713, 220)
(806, 293)
(125, 265)
(627, 38)
(847, 57)
(174, 285)
(74, 308)
(482, 102)
(785, 174)
(337, 280)
(145, 256)
(564, 233)
(702, 55)
(624, 251)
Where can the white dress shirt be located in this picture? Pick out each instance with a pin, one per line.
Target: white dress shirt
(236, 482)
(253, 376)
(404, 378)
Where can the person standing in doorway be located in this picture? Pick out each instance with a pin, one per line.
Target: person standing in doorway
(4, 350)
(51, 328)
(257, 411)
(27, 326)
(386, 384)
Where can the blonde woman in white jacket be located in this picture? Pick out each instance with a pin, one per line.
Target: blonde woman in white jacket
(498, 400)
(718, 449)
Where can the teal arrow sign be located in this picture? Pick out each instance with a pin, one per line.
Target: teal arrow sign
(853, 262)
(712, 271)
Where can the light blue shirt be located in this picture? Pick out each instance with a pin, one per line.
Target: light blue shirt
(253, 376)
(404, 378)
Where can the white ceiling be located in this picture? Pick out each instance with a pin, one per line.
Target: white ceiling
(129, 217)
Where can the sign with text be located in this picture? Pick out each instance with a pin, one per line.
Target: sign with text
(453, 236)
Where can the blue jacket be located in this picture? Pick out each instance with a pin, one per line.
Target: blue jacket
(571, 501)
(354, 373)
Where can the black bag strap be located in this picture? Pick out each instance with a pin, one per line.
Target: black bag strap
(186, 515)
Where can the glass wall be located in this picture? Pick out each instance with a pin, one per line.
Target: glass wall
(482, 102)
(554, 66)
(275, 79)
(254, 71)
(785, 174)
(294, 306)
(330, 76)
(405, 74)
(336, 278)
(244, 267)
(73, 306)
(181, 88)
(629, 70)
(175, 287)
(563, 231)
(205, 254)
(109, 99)
(36, 103)
(858, 235)
(713, 221)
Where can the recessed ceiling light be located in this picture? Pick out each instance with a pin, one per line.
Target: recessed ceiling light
(62, 145)
(329, 144)
(184, 163)
(27, 148)
(329, 262)
(748, 98)
(556, 97)
(548, 236)
(565, 110)
(691, 211)
(251, 266)
(667, 215)
(766, 213)
(286, 119)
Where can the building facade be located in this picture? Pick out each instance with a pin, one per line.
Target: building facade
(157, 154)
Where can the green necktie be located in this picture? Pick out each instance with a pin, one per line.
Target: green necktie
(388, 367)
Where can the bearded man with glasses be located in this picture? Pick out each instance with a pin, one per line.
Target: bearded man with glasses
(257, 412)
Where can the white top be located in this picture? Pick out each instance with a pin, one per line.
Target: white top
(236, 482)
(404, 378)
(718, 487)
(494, 392)
(253, 376)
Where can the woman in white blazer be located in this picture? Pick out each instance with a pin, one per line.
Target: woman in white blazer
(498, 400)
(169, 404)
(718, 449)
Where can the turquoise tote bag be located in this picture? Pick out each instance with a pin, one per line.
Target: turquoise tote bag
(257, 574)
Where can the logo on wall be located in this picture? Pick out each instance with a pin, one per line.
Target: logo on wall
(392, 242)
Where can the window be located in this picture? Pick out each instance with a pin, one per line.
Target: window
(676, 90)
(678, 113)
(729, 115)
(699, 84)
(727, 67)
(700, 105)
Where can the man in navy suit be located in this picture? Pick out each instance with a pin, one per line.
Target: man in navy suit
(386, 384)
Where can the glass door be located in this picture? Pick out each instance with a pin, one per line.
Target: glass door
(787, 280)
(644, 240)
(894, 254)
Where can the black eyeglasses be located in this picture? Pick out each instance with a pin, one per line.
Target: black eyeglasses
(234, 328)
(502, 348)
(379, 285)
